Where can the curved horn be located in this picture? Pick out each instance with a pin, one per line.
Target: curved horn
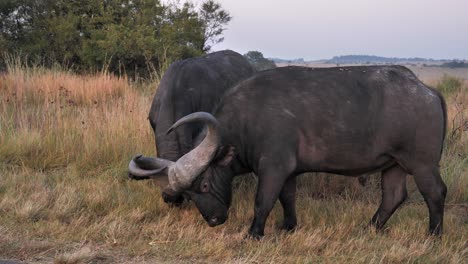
(148, 163)
(146, 168)
(189, 166)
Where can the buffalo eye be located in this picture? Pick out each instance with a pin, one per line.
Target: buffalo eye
(205, 187)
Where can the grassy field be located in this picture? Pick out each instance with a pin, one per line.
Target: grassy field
(65, 142)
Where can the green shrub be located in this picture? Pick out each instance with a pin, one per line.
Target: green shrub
(449, 85)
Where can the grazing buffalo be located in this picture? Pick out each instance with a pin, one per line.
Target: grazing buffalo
(189, 86)
(287, 121)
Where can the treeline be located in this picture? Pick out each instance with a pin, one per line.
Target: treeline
(133, 37)
(455, 64)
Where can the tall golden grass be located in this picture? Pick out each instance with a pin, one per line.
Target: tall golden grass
(51, 119)
(65, 142)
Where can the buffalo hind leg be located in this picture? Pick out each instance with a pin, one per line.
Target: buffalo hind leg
(433, 190)
(288, 202)
(393, 184)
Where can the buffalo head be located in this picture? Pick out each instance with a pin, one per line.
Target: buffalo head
(203, 173)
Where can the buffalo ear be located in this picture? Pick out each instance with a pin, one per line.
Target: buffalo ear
(225, 156)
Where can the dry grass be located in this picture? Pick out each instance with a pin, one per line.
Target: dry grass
(65, 141)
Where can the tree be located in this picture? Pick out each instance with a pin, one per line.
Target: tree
(258, 61)
(123, 36)
(214, 19)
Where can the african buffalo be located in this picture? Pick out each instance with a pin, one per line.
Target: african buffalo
(188, 86)
(287, 121)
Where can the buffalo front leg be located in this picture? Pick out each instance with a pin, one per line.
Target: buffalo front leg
(273, 171)
(267, 194)
(393, 184)
(272, 176)
(287, 198)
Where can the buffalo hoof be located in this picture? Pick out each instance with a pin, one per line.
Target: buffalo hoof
(173, 200)
(289, 227)
(255, 235)
(371, 227)
(437, 234)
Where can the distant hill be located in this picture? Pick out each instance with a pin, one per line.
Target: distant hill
(294, 61)
(370, 59)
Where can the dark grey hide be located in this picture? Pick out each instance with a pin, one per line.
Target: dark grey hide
(349, 121)
(188, 86)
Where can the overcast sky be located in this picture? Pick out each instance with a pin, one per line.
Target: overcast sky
(320, 29)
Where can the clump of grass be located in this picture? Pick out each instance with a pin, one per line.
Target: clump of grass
(51, 87)
(52, 119)
(449, 85)
(454, 165)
